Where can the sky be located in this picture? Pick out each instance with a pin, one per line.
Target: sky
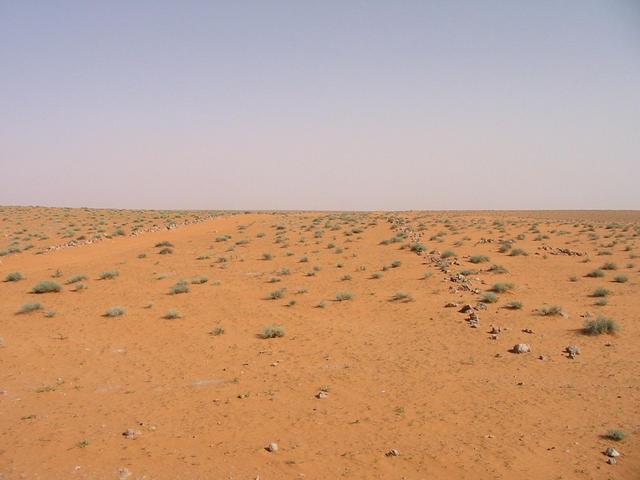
(331, 105)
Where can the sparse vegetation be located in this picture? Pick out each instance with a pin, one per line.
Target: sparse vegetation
(30, 307)
(550, 310)
(114, 312)
(13, 277)
(600, 325)
(272, 331)
(46, 286)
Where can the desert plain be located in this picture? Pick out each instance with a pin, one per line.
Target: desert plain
(319, 345)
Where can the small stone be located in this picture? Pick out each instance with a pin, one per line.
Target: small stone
(572, 351)
(611, 452)
(466, 308)
(527, 330)
(131, 434)
(124, 473)
(521, 348)
(272, 447)
(322, 394)
(495, 330)
(392, 453)
(611, 461)
(451, 305)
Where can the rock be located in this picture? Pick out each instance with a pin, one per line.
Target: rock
(527, 330)
(392, 453)
(131, 434)
(611, 461)
(451, 305)
(495, 330)
(466, 308)
(611, 452)
(572, 351)
(272, 447)
(521, 348)
(124, 473)
(481, 306)
(322, 394)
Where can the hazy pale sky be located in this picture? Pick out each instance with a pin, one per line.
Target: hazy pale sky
(320, 105)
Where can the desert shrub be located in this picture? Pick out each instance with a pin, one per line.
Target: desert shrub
(172, 315)
(164, 244)
(489, 297)
(601, 302)
(517, 252)
(417, 247)
(304, 259)
(76, 279)
(609, 266)
(276, 294)
(199, 280)
(396, 264)
(345, 278)
(114, 312)
(620, 278)
(514, 305)
(13, 277)
(343, 296)
(30, 307)
(217, 331)
(600, 325)
(267, 256)
(166, 251)
(595, 274)
(573, 278)
(46, 286)
(478, 259)
(502, 287)
(401, 297)
(616, 434)
(497, 269)
(448, 253)
(275, 280)
(601, 292)
(181, 287)
(549, 310)
(109, 275)
(142, 255)
(320, 304)
(272, 331)
(377, 275)
(79, 286)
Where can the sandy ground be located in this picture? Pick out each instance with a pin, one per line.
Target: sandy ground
(409, 374)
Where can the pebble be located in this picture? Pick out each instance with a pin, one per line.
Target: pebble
(611, 452)
(272, 447)
(392, 453)
(131, 434)
(521, 348)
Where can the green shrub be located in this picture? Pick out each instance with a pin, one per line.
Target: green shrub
(76, 279)
(621, 278)
(418, 247)
(46, 286)
(109, 275)
(276, 294)
(609, 266)
(172, 314)
(601, 292)
(13, 277)
(599, 326)
(272, 331)
(517, 252)
(343, 296)
(502, 287)
(489, 297)
(514, 305)
(549, 310)
(616, 434)
(595, 274)
(30, 307)
(478, 259)
(181, 287)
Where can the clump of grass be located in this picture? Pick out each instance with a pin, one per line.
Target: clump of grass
(601, 292)
(514, 305)
(166, 251)
(616, 434)
(13, 277)
(401, 297)
(502, 287)
(275, 280)
(609, 266)
(497, 269)
(30, 307)
(550, 310)
(50, 314)
(518, 252)
(417, 247)
(114, 312)
(172, 315)
(601, 302)
(595, 273)
(276, 294)
(164, 244)
(396, 264)
(448, 253)
(199, 280)
(267, 256)
(377, 275)
(181, 287)
(79, 286)
(76, 279)
(217, 331)
(600, 325)
(343, 296)
(109, 275)
(46, 286)
(272, 331)
(621, 278)
(478, 259)
(489, 297)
